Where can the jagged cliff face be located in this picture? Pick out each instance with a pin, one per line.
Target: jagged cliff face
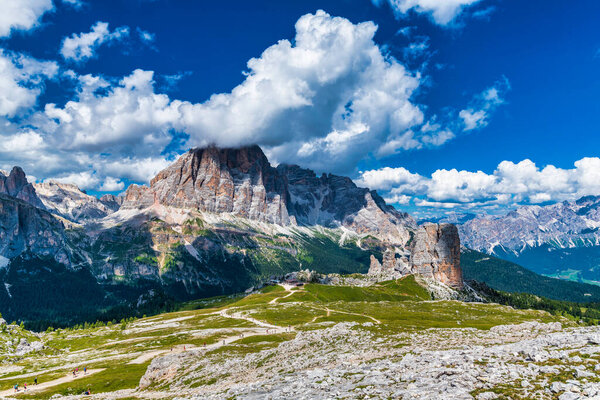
(25, 228)
(112, 202)
(242, 182)
(332, 200)
(15, 185)
(435, 253)
(238, 181)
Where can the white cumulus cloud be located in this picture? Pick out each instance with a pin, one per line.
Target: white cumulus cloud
(442, 12)
(509, 185)
(477, 115)
(329, 97)
(79, 47)
(21, 81)
(21, 14)
(111, 184)
(325, 100)
(128, 118)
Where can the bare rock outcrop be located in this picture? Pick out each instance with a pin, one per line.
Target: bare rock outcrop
(391, 267)
(238, 181)
(435, 253)
(111, 201)
(243, 182)
(16, 185)
(70, 202)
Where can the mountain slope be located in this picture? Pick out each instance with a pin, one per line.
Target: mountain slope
(509, 277)
(215, 222)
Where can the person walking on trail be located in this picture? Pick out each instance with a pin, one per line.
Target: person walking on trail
(35, 381)
(16, 387)
(85, 370)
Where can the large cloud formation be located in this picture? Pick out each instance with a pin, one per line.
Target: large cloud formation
(330, 94)
(511, 183)
(326, 99)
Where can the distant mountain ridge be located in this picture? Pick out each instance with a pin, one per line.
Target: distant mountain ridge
(552, 239)
(70, 202)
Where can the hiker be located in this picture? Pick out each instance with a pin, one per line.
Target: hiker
(183, 348)
(24, 387)
(16, 387)
(85, 370)
(74, 375)
(35, 381)
(88, 392)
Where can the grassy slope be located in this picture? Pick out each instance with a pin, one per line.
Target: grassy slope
(509, 277)
(389, 308)
(45, 293)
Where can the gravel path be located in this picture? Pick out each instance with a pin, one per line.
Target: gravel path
(44, 385)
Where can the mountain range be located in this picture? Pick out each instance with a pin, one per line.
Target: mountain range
(561, 240)
(217, 221)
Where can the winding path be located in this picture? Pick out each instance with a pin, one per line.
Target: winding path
(145, 356)
(44, 385)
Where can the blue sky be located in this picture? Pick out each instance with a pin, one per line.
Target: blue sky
(469, 105)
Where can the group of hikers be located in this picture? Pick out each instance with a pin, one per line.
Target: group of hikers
(35, 381)
(24, 385)
(76, 371)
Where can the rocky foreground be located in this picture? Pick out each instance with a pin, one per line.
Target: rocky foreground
(348, 360)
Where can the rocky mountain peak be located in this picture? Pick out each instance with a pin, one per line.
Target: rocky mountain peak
(16, 185)
(70, 202)
(239, 181)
